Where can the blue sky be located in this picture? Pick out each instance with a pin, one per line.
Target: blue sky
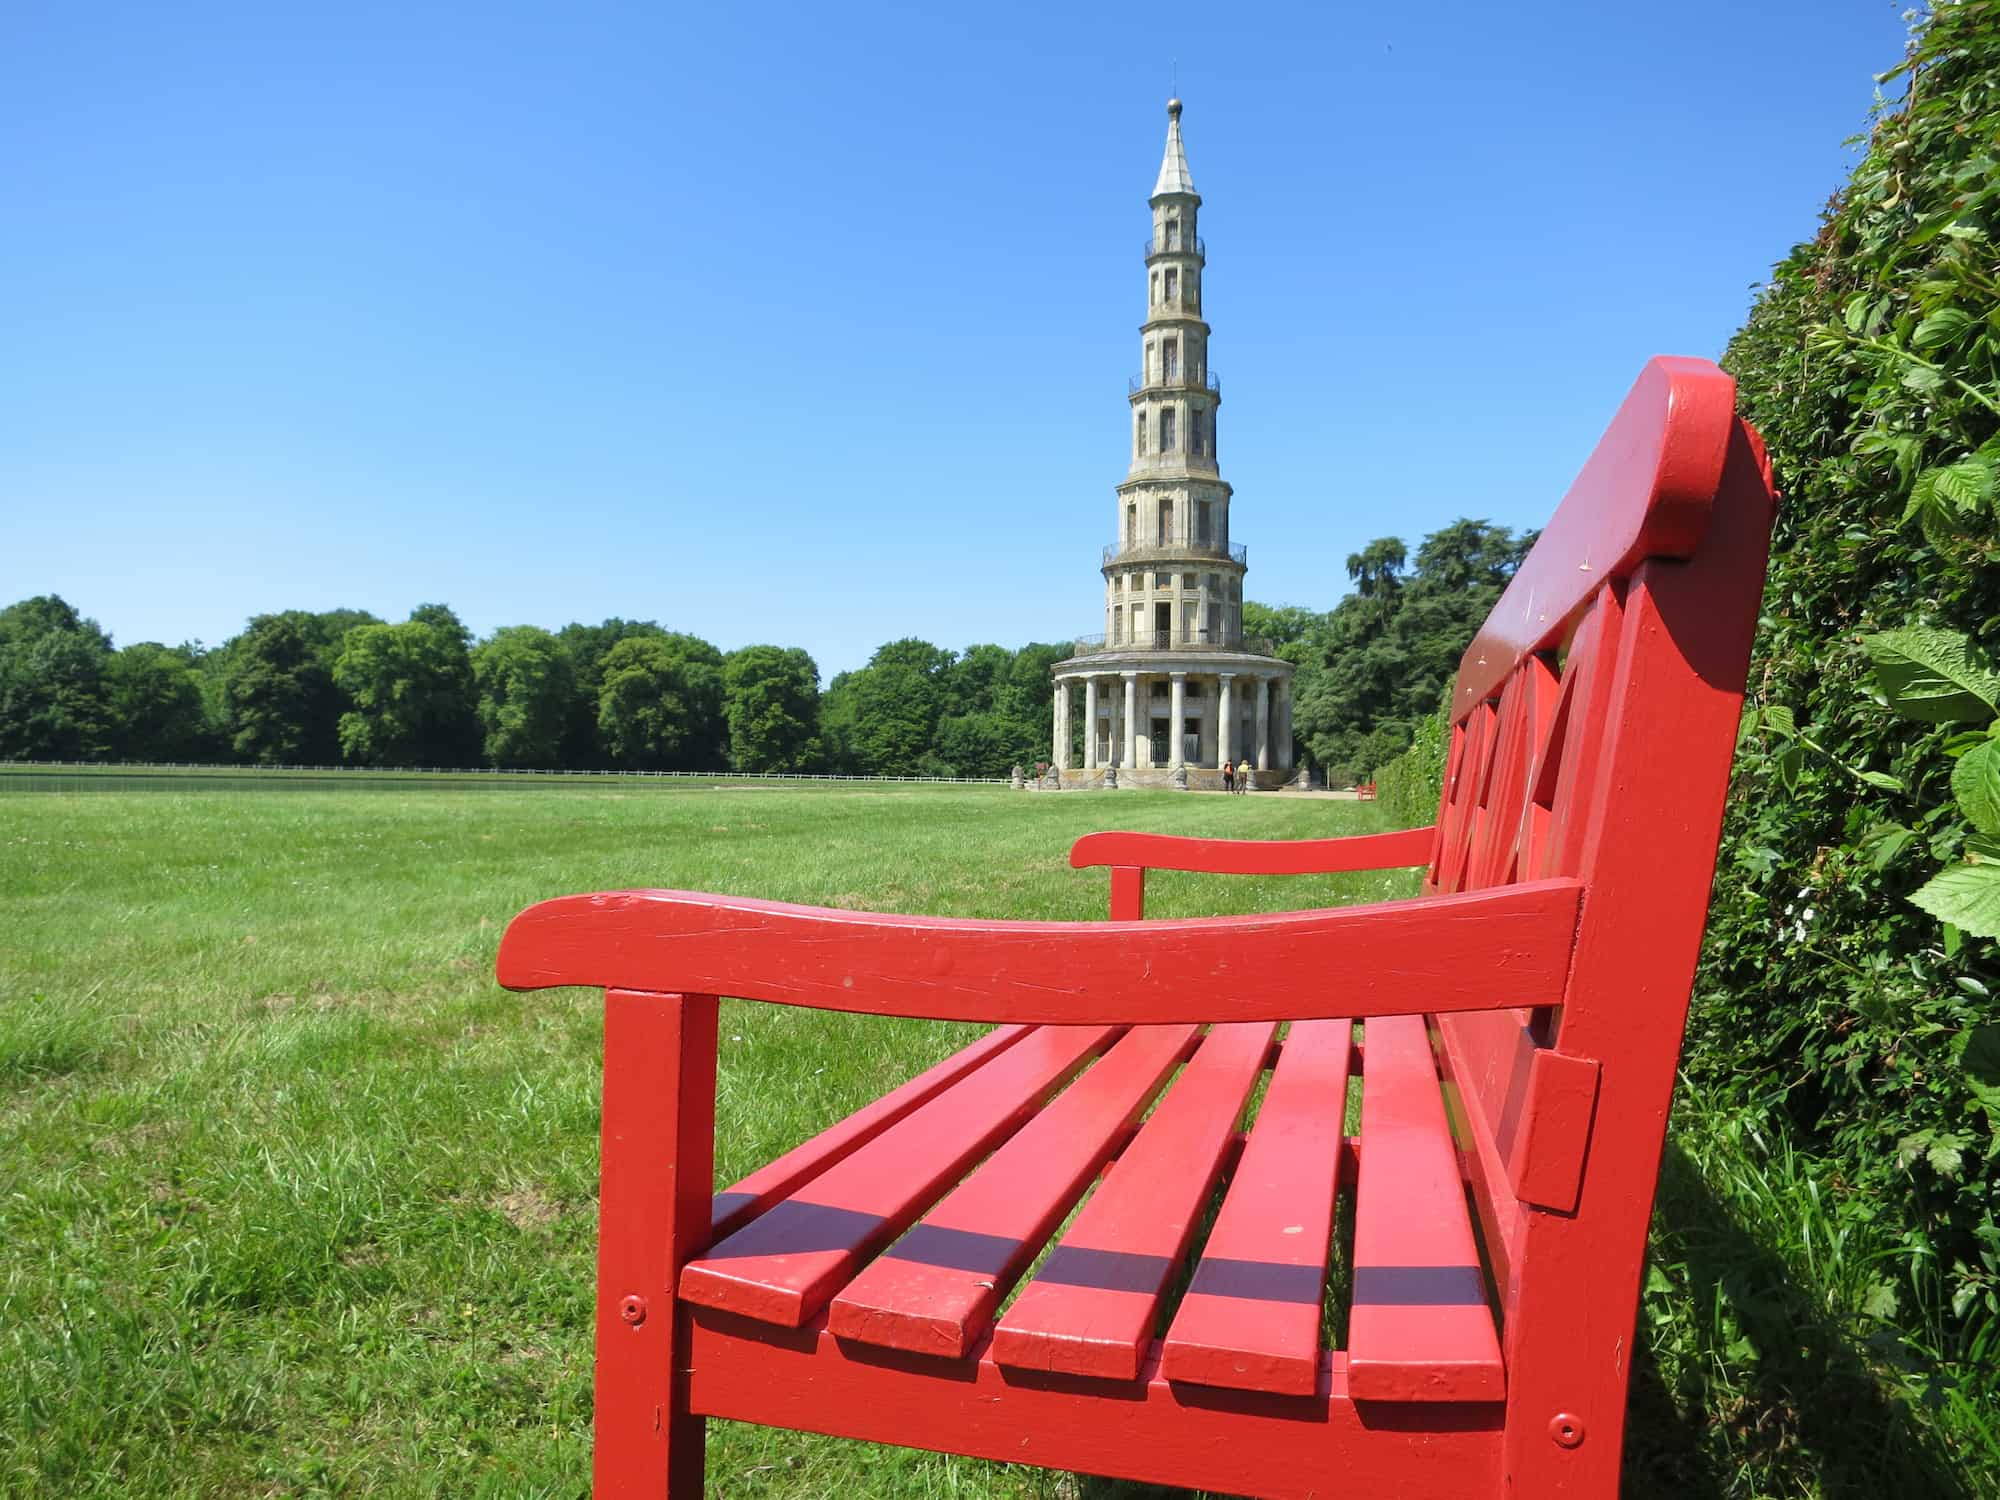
(810, 324)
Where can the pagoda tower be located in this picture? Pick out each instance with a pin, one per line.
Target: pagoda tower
(1172, 688)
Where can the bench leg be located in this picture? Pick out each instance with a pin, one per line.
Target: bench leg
(656, 1179)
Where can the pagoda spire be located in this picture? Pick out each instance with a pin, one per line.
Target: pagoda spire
(1174, 176)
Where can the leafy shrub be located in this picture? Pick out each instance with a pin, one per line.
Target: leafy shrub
(1409, 786)
(1826, 997)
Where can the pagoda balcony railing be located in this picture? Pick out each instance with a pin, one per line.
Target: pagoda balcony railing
(1180, 244)
(1236, 552)
(1175, 380)
(1194, 638)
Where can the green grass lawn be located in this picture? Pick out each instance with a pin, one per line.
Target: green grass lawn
(295, 1201)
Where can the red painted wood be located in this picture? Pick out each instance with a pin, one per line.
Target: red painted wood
(1160, 851)
(1649, 586)
(657, 1168)
(1128, 893)
(1250, 1319)
(782, 1267)
(1483, 951)
(1595, 660)
(1646, 492)
(1648, 855)
(1545, 1156)
(1290, 1448)
(1465, 782)
(1420, 1328)
(935, 1290)
(1500, 1214)
(743, 1201)
(1092, 1306)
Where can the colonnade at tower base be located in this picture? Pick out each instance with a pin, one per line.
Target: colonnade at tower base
(1148, 719)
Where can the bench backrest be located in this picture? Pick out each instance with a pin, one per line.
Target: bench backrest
(1593, 721)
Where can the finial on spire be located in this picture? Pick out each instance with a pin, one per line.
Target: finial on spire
(1174, 176)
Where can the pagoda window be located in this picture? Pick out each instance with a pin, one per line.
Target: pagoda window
(1142, 432)
(1167, 436)
(1170, 358)
(1204, 515)
(1156, 287)
(1166, 524)
(1172, 283)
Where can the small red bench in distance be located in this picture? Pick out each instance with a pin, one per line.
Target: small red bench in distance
(1514, 1032)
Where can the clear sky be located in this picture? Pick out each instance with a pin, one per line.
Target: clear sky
(811, 324)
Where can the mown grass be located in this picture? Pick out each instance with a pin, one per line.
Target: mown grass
(295, 1201)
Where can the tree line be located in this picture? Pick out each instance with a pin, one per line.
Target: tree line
(341, 686)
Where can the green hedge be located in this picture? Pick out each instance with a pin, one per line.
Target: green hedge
(1827, 1003)
(1409, 786)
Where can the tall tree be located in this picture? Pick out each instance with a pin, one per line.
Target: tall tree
(52, 689)
(1386, 652)
(526, 687)
(412, 690)
(583, 746)
(660, 706)
(154, 694)
(283, 708)
(771, 701)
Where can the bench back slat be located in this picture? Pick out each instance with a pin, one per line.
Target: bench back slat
(1593, 720)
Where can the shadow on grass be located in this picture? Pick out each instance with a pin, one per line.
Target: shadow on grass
(1773, 1398)
(1783, 1402)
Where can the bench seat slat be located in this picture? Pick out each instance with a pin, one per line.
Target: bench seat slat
(1251, 1317)
(934, 1291)
(782, 1266)
(1092, 1307)
(743, 1201)
(1420, 1328)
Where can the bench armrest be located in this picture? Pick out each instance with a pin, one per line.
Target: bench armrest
(1165, 851)
(1483, 950)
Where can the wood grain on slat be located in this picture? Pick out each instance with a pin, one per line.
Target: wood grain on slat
(934, 1290)
(782, 1266)
(1420, 1328)
(743, 1201)
(1250, 1319)
(1092, 1306)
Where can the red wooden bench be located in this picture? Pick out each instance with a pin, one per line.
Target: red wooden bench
(1365, 791)
(1514, 1032)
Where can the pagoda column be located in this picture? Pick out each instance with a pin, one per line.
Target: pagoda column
(1225, 722)
(1131, 720)
(1175, 754)
(1090, 723)
(1263, 723)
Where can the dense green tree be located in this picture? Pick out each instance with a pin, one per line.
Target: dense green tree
(660, 705)
(1375, 664)
(583, 746)
(526, 687)
(278, 690)
(154, 694)
(882, 720)
(412, 692)
(770, 698)
(52, 682)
